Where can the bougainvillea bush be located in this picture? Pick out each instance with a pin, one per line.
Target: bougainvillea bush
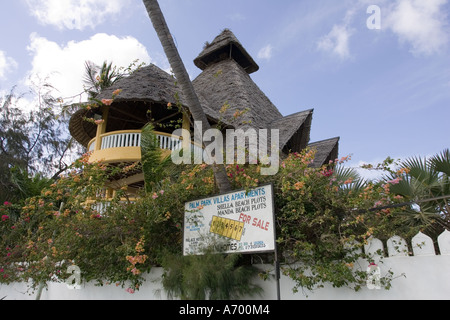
(323, 216)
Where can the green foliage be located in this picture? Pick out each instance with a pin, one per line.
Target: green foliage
(316, 212)
(419, 179)
(154, 166)
(98, 78)
(210, 276)
(33, 144)
(27, 186)
(441, 162)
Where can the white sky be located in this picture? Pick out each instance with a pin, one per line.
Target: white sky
(384, 92)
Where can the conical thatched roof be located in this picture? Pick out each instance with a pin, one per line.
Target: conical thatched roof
(147, 85)
(154, 85)
(225, 46)
(227, 83)
(80, 129)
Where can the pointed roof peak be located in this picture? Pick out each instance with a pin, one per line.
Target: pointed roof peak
(225, 46)
(326, 151)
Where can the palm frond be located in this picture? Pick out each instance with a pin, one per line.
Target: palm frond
(98, 78)
(441, 162)
(421, 171)
(342, 174)
(345, 173)
(425, 179)
(90, 77)
(405, 187)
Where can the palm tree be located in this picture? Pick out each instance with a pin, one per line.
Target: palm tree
(162, 30)
(99, 78)
(424, 179)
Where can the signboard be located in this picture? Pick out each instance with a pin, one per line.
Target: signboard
(236, 222)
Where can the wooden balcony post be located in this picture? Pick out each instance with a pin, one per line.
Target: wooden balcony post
(101, 128)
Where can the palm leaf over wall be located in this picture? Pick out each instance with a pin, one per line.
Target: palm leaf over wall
(426, 178)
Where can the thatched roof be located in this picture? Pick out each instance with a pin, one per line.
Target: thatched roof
(152, 84)
(148, 83)
(225, 46)
(294, 130)
(81, 130)
(227, 83)
(326, 151)
(146, 86)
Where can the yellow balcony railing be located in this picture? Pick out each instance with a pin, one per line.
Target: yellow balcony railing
(132, 138)
(126, 145)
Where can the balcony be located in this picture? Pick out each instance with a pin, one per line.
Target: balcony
(125, 146)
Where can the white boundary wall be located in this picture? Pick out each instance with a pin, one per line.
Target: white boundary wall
(421, 273)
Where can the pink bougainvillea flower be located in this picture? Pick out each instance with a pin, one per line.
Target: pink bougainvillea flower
(299, 185)
(378, 203)
(107, 102)
(394, 181)
(116, 92)
(135, 271)
(348, 181)
(327, 173)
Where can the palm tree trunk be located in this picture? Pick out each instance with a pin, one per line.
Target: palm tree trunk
(162, 30)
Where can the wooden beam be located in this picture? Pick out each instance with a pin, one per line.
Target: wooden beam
(126, 181)
(130, 115)
(168, 117)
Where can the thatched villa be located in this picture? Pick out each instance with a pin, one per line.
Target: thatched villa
(224, 81)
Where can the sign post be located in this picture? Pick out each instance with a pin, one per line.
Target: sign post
(236, 222)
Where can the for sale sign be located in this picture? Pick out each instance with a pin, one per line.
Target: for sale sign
(237, 222)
